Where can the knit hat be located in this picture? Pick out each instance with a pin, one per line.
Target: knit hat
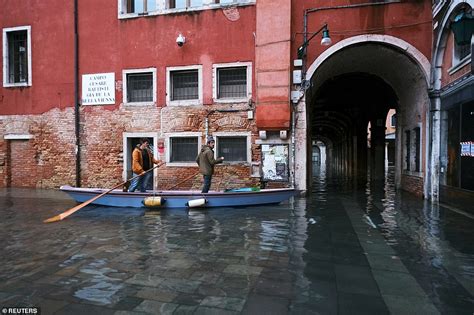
(209, 139)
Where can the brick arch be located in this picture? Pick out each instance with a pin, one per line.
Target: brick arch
(401, 45)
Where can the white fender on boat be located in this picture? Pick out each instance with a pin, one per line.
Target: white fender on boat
(153, 202)
(196, 203)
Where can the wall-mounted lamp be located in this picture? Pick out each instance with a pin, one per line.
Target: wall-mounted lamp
(463, 28)
(299, 76)
(325, 41)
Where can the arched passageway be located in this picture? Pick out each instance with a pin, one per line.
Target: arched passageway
(354, 85)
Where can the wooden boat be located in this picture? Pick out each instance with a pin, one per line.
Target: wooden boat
(183, 199)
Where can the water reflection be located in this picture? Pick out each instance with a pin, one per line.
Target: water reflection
(305, 252)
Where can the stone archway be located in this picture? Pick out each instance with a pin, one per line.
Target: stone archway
(397, 63)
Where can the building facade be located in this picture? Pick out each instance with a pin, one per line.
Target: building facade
(81, 87)
(453, 101)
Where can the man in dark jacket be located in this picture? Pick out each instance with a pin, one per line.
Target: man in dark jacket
(206, 162)
(142, 161)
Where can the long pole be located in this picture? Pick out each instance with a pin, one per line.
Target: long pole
(67, 213)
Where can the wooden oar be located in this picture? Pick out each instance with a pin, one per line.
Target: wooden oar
(67, 213)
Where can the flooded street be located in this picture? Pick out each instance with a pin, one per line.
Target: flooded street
(345, 249)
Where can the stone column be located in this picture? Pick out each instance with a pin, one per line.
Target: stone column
(434, 169)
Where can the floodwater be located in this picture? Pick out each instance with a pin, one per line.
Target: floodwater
(345, 249)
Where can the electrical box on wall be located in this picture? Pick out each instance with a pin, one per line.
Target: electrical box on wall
(296, 76)
(296, 96)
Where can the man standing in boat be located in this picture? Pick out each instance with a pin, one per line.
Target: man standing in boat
(206, 162)
(142, 161)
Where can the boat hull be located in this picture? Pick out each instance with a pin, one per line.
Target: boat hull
(180, 199)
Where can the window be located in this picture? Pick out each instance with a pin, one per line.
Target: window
(182, 4)
(393, 121)
(139, 86)
(417, 148)
(184, 85)
(461, 52)
(232, 82)
(234, 147)
(183, 147)
(407, 150)
(139, 6)
(134, 8)
(17, 56)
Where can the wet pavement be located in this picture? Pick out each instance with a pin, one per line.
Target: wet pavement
(345, 249)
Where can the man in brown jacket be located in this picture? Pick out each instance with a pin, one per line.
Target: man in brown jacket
(206, 162)
(142, 161)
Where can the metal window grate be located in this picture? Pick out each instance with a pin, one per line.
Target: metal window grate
(233, 149)
(232, 82)
(183, 149)
(140, 87)
(17, 57)
(184, 85)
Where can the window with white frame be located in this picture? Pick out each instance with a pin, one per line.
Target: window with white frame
(461, 52)
(183, 4)
(139, 86)
(138, 6)
(134, 8)
(232, 82)
(17, 56)
(183, 147)
(184, 85)
(234, 147)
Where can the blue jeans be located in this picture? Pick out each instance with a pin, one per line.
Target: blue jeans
(140, 183)
(207, 183)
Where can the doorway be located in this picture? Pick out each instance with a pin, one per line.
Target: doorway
(130, 141)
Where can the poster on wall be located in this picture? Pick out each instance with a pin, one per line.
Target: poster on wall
(275, 162)
(98, 89)
(466, 148)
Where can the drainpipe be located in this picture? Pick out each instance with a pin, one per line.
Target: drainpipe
(76, 96)
(293, 142)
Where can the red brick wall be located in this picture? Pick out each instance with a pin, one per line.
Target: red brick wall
(3, 163)
(412, 184)
(447, 78)
(47, 160)
(102, 144)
